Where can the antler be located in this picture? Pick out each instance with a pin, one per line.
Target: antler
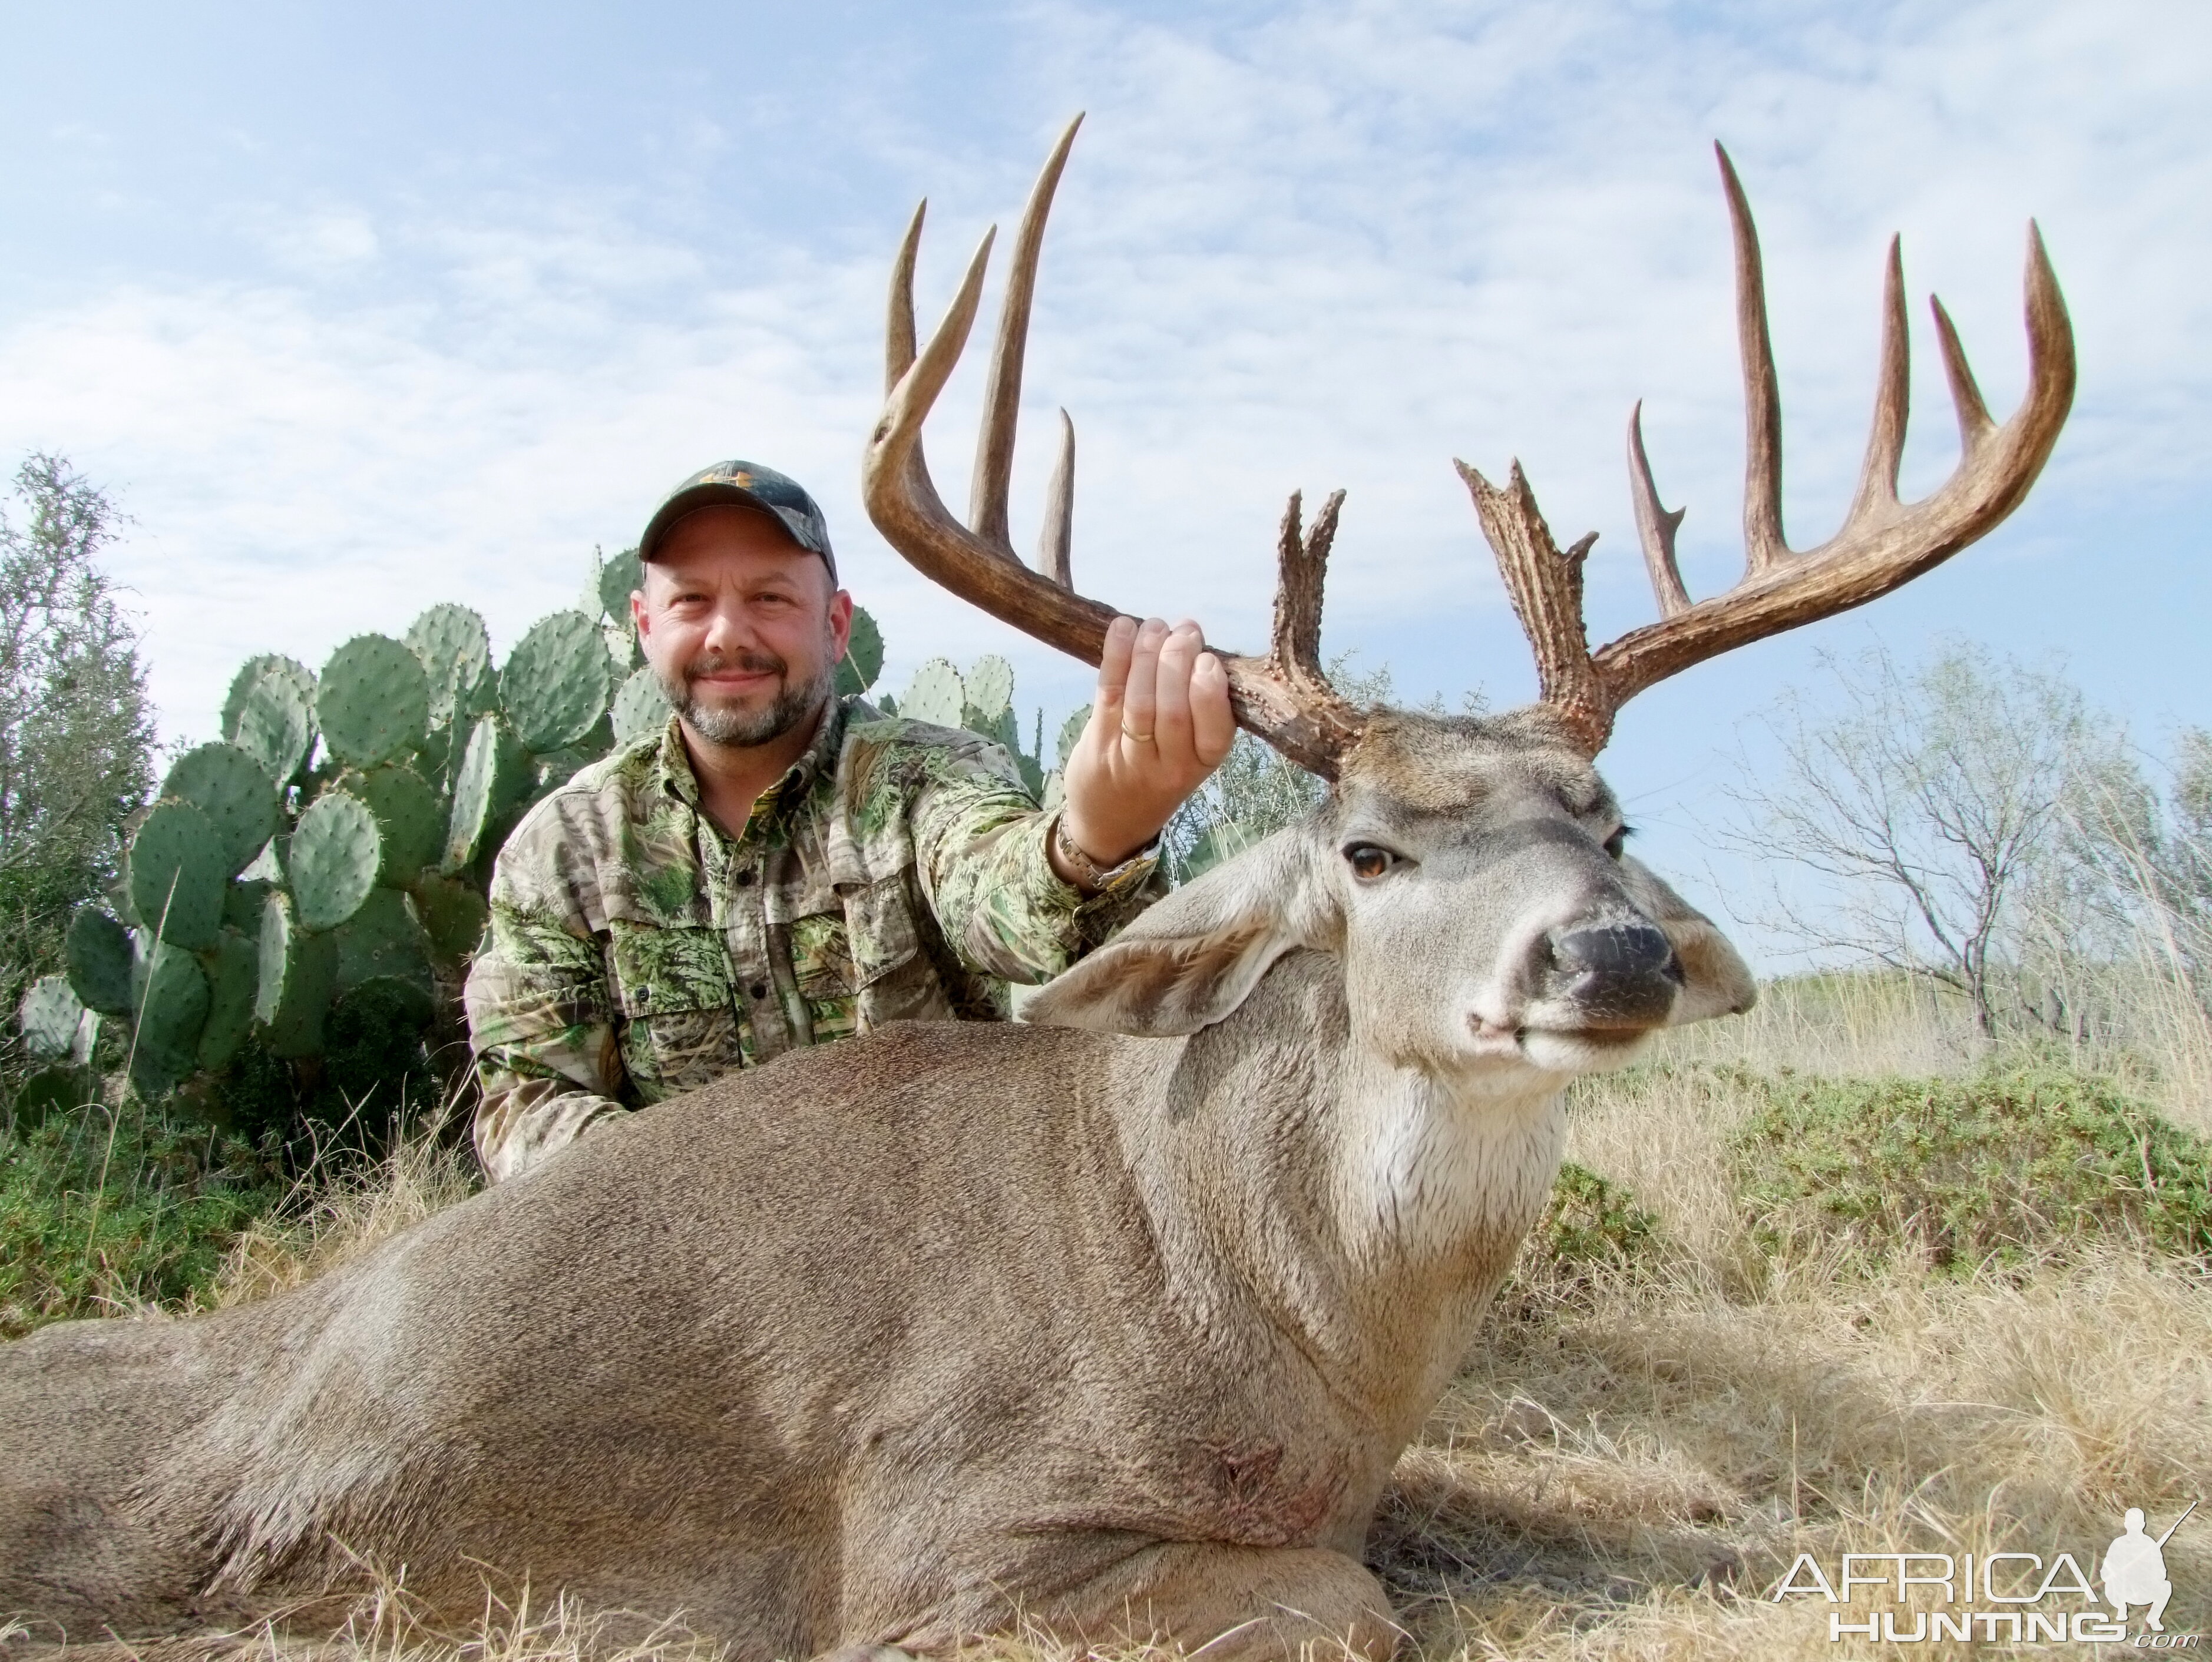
(1883, 544)
(1284, 698)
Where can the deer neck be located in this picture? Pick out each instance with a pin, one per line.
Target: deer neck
(1368, 1210)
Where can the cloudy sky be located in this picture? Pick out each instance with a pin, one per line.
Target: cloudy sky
(358, 309)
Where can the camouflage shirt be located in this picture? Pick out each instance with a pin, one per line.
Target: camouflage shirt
(896, 872)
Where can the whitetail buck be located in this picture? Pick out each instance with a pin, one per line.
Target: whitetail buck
(1112, 1325)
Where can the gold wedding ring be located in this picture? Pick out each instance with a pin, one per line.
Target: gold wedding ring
(1141, 739)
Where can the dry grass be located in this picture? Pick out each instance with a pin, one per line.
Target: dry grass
(1628, 1471)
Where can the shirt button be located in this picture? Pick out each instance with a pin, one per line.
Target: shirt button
(746, 878)
(760, 988)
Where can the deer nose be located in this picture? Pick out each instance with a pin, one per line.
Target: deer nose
(1621, 974)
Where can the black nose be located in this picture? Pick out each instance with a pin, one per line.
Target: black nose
(1622, 975)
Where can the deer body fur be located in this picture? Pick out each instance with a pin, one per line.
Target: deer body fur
(915, 1338)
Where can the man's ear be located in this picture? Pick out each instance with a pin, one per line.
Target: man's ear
(1197, 954)
(1715, 981)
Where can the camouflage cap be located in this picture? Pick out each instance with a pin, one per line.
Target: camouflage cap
(749, 485)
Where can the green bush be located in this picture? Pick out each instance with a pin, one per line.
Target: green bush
(2003, 1169)
(1590, 1227)
(98, 1214)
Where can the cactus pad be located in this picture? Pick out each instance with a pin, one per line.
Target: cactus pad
(556, 682)
(98, 954)
(1071, 733)
(333, 860)
(990, 683)
(242, 902)
(864, 655)
(48, 1017)
(620, 576)
(641, 707)
(231, 969)
(375, 700)
(382, 938)
(409, 819)
(935, 696)
(172, 1011)
(455, 652)
(452, 916)
(296, 674)
(232, 789)
(494, 775)
(296, 977)
(177, 870)
(276, 726)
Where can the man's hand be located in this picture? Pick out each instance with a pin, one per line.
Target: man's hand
(1160, 725)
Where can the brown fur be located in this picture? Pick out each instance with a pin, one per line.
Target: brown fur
(932, 1333)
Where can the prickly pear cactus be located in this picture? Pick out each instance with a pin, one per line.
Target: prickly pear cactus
(382, 938)
(455, 652)
(231, 969)
(172, 1009)
(374, 700)
(990, 685)
(494, 775)
(333, 860)
(178, 870)
(276, 723)
(49, 1017)
(411, 819)
(97, 955)
(296, 977)
(864, 655)
(289, 671)
(234, 791)
(641, 707)
(555, 686)
(935, 696)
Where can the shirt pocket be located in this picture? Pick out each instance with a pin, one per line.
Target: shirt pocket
(672, 991)
(821, 956)
(881, 934)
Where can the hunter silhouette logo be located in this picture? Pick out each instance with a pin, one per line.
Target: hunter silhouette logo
(2135, 1568)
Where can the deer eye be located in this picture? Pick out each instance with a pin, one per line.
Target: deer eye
(1617, 844)
(1369, 862)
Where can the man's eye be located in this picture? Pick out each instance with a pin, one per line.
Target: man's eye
(1369, 862)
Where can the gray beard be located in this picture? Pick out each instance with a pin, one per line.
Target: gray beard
(742, 729)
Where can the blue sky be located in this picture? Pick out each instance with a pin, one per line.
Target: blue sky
(361, 309)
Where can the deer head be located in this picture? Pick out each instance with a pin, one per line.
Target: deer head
(1554, 948)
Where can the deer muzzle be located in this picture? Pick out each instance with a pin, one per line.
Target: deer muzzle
(1615, 975)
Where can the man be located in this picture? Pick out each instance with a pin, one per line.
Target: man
(780, 867)
(2134, 1571)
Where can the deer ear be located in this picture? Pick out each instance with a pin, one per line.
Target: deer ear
(1715, 981)
(1197, 954)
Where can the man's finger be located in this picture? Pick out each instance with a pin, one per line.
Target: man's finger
(1212, 723)
(1114, 672)
(1171, 714)
(1140, 700)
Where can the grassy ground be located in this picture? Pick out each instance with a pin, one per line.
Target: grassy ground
(1651, 1431)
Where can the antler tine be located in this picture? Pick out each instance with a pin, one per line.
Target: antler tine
(1877, 491)
(1002, 397)
(1763, 543)
(1882, 545)
(898, 327)
(1288, 704)
(1055, 543)
(1655, 526)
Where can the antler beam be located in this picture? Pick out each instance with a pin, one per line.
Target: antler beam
(1283, 698)
(1883, 544)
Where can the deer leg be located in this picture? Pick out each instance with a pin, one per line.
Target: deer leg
(1300, 1603)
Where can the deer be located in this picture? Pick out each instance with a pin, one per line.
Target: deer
(1103, 1327)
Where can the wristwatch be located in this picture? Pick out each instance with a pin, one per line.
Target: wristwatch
(1091, 877)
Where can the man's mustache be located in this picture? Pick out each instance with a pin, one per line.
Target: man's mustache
(708, 663)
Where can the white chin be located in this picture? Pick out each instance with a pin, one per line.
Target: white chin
(1566, 1051)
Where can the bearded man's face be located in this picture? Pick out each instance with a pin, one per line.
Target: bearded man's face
(741, 626)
